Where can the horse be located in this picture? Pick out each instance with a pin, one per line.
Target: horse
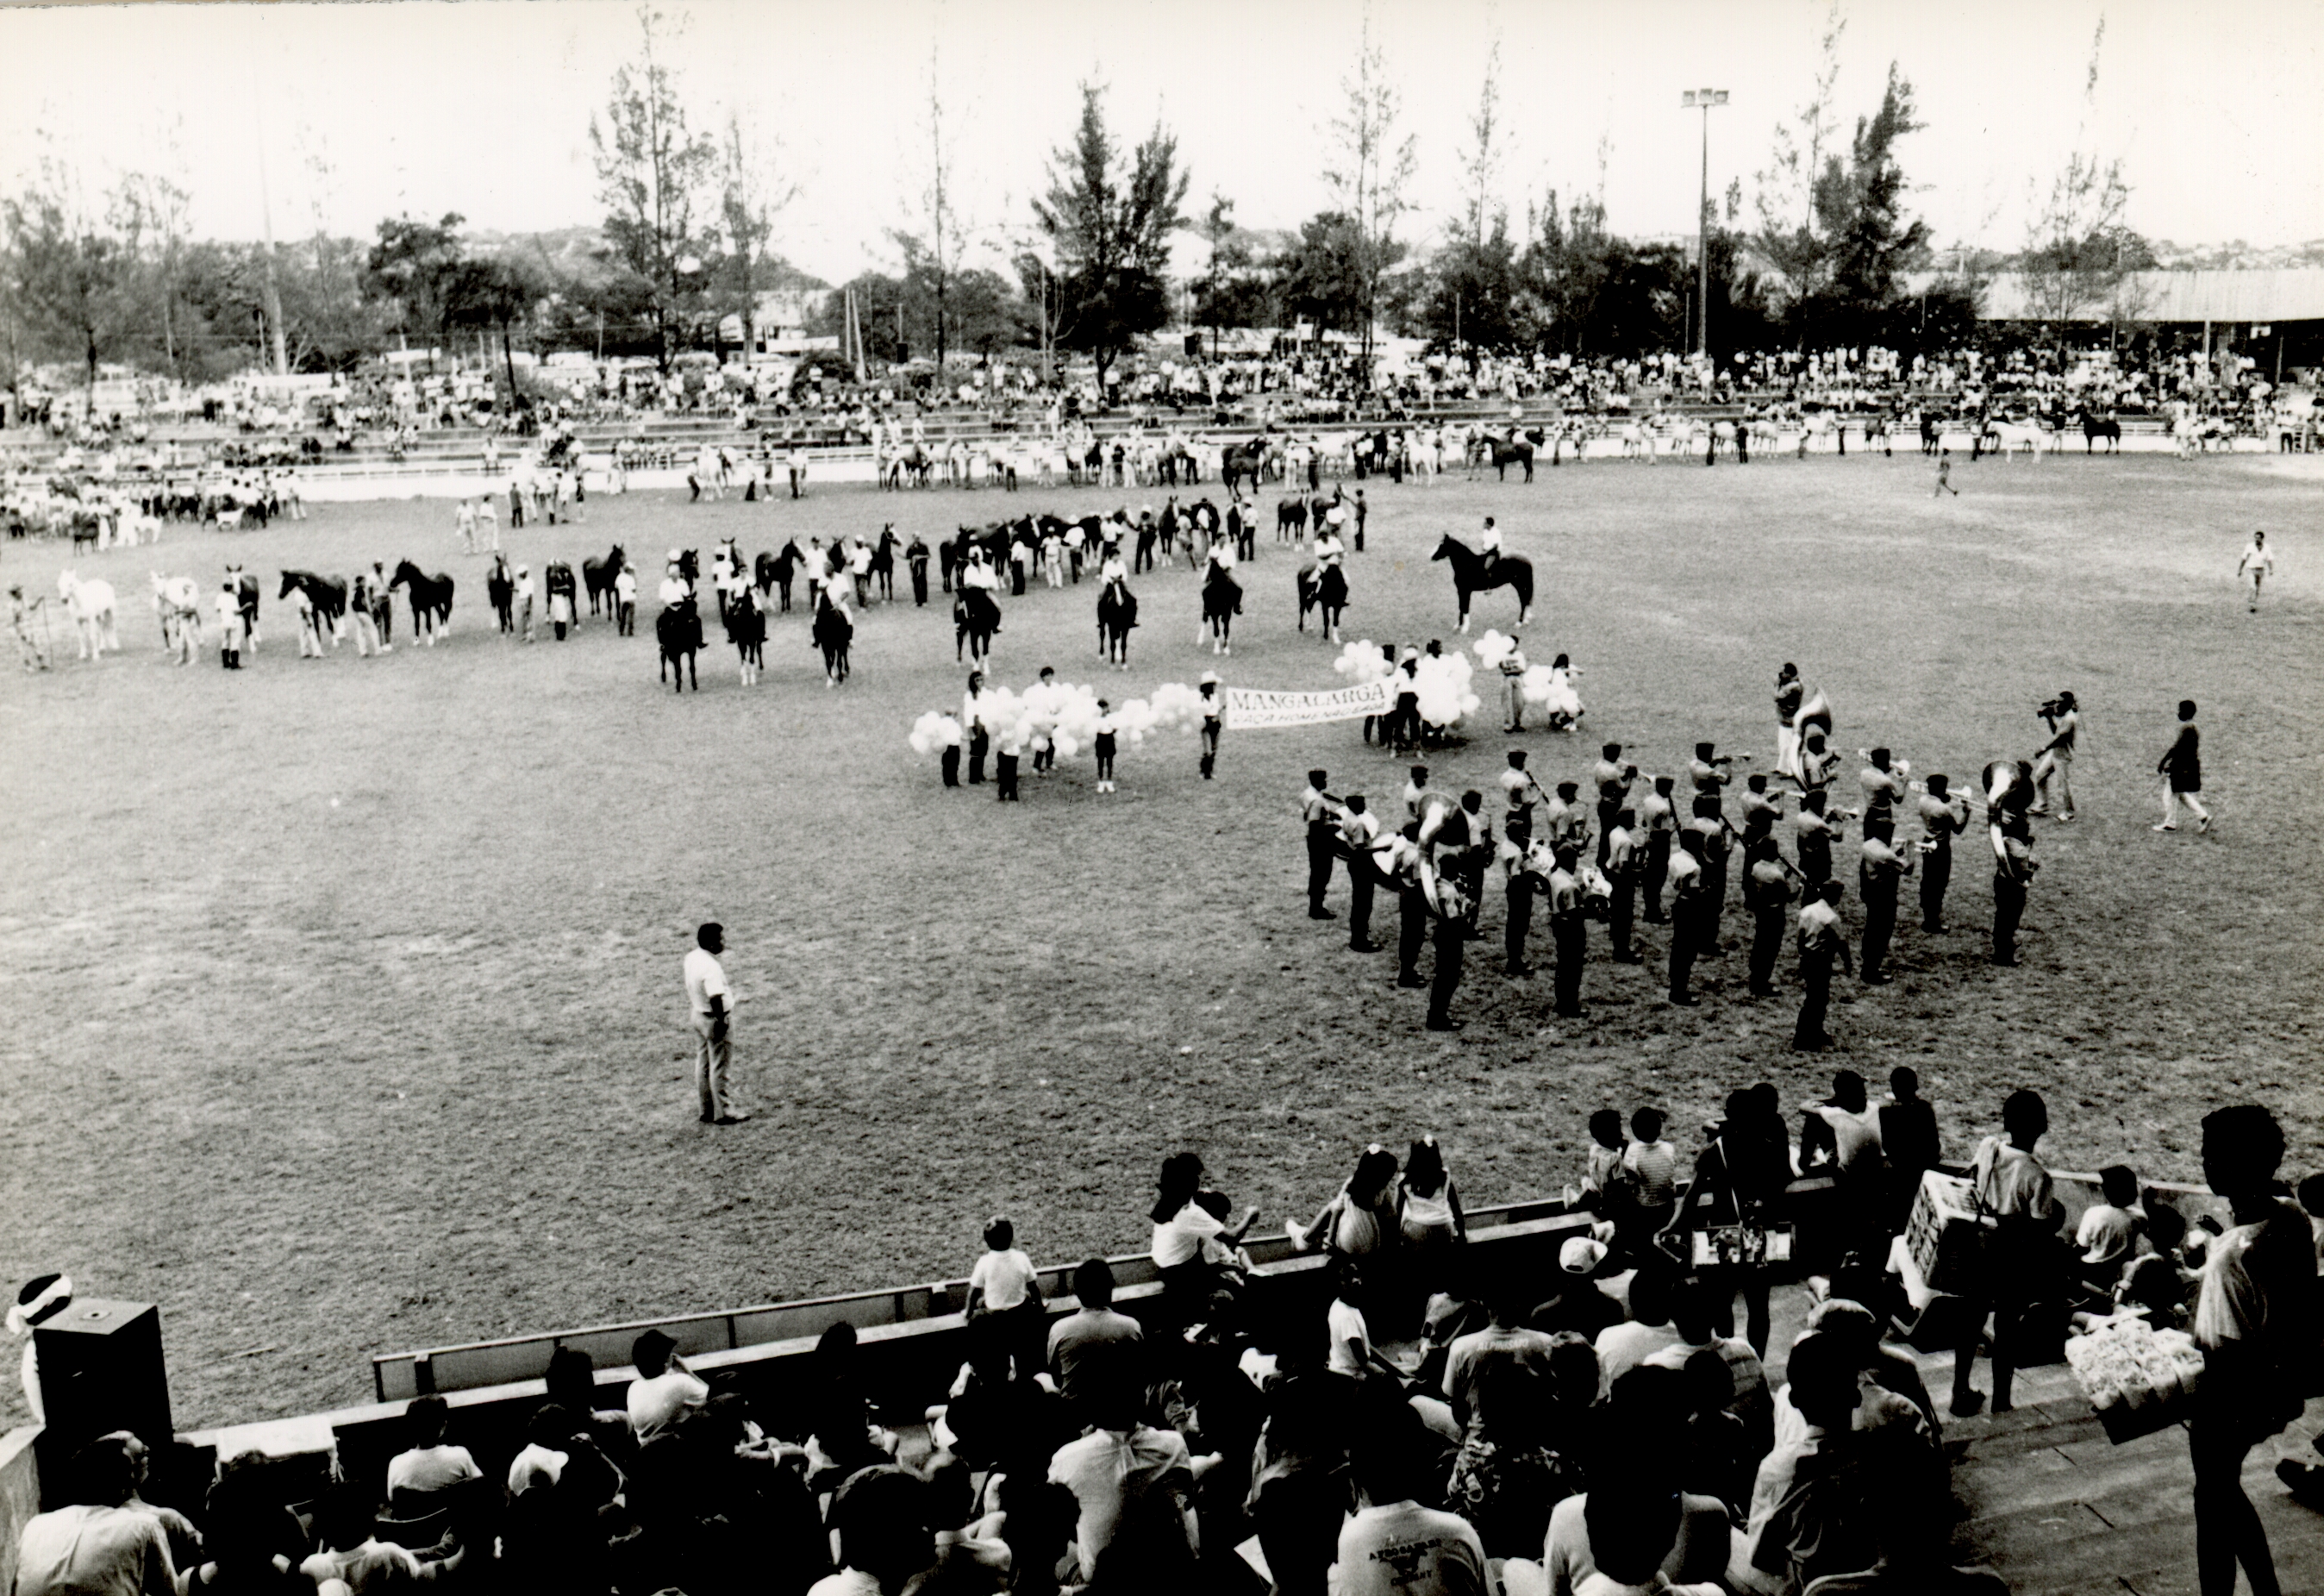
(915, 462)
(500, 588)
(431, 598)
(1239, 460)
(975, 619)
(178, 600)
(2009, 436)
(746, 629)
(329, 595)
(2096, 427)
(833, 632)
(783, 570)
(90, 605)
(1326, 588)
(1221, 602)
(1469, 576)
(1117, 612)
(1291, 520)
(1515, 452)
(883, 563)
(677, 633)
(599, 575)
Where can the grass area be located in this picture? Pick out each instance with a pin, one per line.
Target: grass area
(344, 1000)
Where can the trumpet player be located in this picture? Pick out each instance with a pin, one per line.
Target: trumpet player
(1944, 816)
(1879, 873)
(1883, 785)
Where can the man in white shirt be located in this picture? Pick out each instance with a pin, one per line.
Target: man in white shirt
(665, 1388)
(706, 991)
(97, 1545)
(1118, 1458)
(1394, 1547)
(2255, 564)
(1649, 1330)
(429, 1466)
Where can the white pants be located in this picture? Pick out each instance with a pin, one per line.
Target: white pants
(1788, 752)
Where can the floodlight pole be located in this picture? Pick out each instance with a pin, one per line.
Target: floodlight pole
(1704, 99)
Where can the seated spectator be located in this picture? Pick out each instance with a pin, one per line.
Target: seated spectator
(99, 1544)
(837, 1418)
(251, 1540)
(1908, 1511)
(1004, 1299)
(1649, 1330)
(1506, 1476)
(1633, 1528)
(1890, 1381)
(1503, 1341)
(1696, 1550)
(1093, 1342)
(1393, 1546)
(2110, 1231)
(1692, 1311)
(573, 1384)
(1452, 1310)
(1607, 1187)
(2154, 1288)
(746, 1487)
(416, 1477)
(1651, 1166)
(665, 1388)
(1719, 1451)
(881, 1516)
(548, 1442)
(1299, 1488)
(1800, 1526)
(1348, 1337)
(1190, 1281)
(1428, 1203)
(351, 1550)
(1100, 1470)
(1153, 1550)
(1361, 1219)
(1582, 1304)
(185, 1540)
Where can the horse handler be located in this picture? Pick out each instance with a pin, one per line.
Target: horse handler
(707, 993)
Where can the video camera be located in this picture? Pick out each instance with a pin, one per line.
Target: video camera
(2051, 711)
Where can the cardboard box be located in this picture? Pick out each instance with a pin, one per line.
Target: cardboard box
(1942, 1237)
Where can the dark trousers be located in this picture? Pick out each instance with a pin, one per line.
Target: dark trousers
(2008, 909)
(919, 582)
(1714, 904)
(1319, 869)
(1004, 771)
(1767, 944)
(1685, 923)
(1622, 912)
(629, 626)
(978, 743)
(1815, 976)
(950, 762)
(1606, 809)
(1936, 875)
(1518, 924)
(1411, 931)
(1658, 847)
(1451, 937)
(1359, 902)
(1879, 928)
(1570, 930)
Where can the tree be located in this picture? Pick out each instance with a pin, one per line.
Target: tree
(1232, 291)
(73, 266)
(1788, 236)
(1471, 294)
(162, 204)
(653, 174)
(750, 195)
(1321, 278)
(938, 243)
(1370, 170)
(2076, 249)
(410, 272)
(491, 293)
(1871, 240)
(1109, 226)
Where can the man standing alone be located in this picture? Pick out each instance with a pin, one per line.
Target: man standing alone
(707, 993)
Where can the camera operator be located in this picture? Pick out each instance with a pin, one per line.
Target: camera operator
(2055, 758)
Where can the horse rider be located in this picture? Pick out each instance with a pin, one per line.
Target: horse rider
(1329, 549)
(1488, 548)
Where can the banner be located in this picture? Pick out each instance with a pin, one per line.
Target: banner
(1249, 708)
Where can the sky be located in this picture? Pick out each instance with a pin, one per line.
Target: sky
(346, 113)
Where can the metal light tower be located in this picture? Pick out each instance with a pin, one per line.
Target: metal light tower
(1704, 99)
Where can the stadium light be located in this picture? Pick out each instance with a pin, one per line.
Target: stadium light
(1704, 99)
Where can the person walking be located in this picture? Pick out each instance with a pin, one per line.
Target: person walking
(2014, 1188)
(711, 1001)
(1821, 941)
(2182, 769)
(2256, 563)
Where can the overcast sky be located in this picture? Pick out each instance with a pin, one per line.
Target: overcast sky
(484, 107)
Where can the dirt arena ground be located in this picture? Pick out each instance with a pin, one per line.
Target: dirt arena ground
(342, 997)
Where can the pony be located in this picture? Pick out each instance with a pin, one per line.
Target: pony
(90, 605)
(500, 588)
(833, 632)
(599, 575)
(178, 600)
(915, 463)
(2095, 427)
(1515, 452)
(975, 619)
(431, 598)
(1470, 576)
(1326, 589)
(1221, 602)
(677, 632)
(329, 595)
(785, 568)
(1117, 612)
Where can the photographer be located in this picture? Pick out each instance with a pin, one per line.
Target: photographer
(2055, 758)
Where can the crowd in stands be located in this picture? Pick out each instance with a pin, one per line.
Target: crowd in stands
(1423, 1425)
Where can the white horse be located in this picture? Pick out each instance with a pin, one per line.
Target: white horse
(2009, 436)
(178, 600)
(90, 604)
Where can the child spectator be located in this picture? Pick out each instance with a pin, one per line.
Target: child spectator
(2110, 1231)
(1651, 1165)
(1605, 1185)
(1351, 1338)
(665, 1387)
(1004, 1299)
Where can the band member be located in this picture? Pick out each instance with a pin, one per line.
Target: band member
(1884, 789)
(1521, 869)
(1706, 771)
(1767, 894)
(1214, 716)
(1682, 890)
(1760, 811)
(1659, 816)
(1820, 942)
(1415, 792)
(1621, 868)
(1943, 816)
(1402, 863)
(1319, 810)
(1816, 764)
(1813, 834)
(1789, 691)
(1569, 820)
(1708, 824)
(1449, 905)
(1879, 874)
(1359, 841)
(1518, 790)
(2011, 835)
(1567, 926)
(1476, 859)
(1613, 777)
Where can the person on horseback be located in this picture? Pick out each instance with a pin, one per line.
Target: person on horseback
(1488, 548)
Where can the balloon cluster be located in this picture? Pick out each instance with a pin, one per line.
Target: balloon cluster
(1175, 704)
(933, 730)
(1441, 688)
(1362, 662)
(1064, 716)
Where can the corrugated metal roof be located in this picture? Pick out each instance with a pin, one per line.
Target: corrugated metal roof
(2290, 293)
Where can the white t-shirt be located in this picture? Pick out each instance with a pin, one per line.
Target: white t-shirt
(705, 978)
(1179, 1239)
(430, 1468)
(1347, 1325)
(1003, 1277)
(654, 1403)
(1404, 1549)
(535, 1459)
(1097, 1469)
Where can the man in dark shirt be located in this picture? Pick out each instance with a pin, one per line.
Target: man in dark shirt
(2181, 769)
(1908, 1137)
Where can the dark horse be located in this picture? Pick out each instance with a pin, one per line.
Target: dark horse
(976, 618)
(915, 462)
(329, 595)
(678, 630)
(832, 633)
(430, 597)
(2095, 427)
(500, 587)
(1328, 588)
(1117, 612)
(1221, 602)
(1239, 460)
(1469, 576)
(599, 575)
(883, 563)
(1517, 451)
(781, 569)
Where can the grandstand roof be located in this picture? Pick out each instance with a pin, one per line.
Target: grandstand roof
(2290, 293)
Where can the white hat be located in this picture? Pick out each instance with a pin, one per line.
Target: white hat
(1210, 679)
(1581, 1255)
